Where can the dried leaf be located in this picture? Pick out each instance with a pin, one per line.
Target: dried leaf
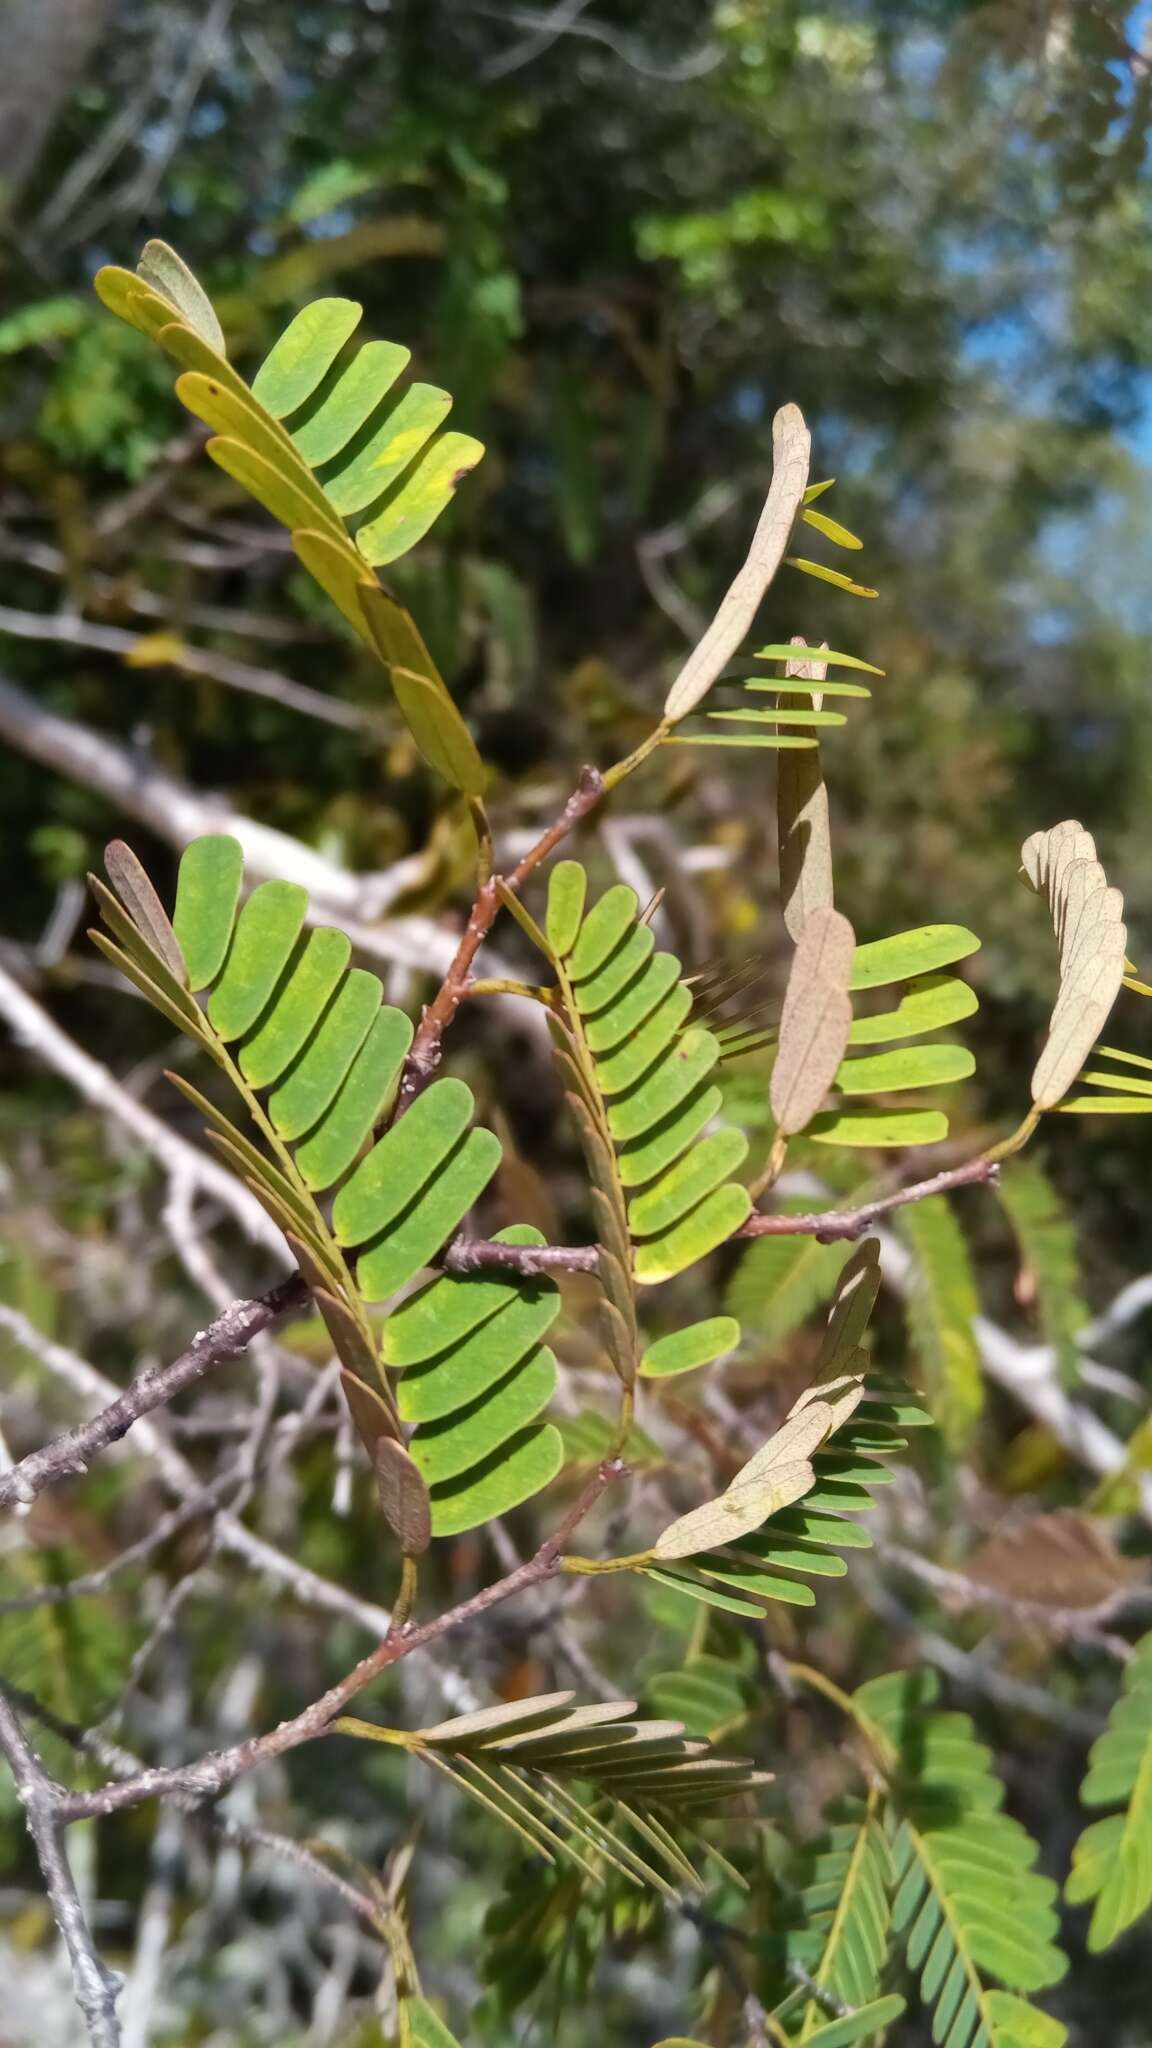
(803, 830)
(1087, 917)
(777, 1474)
(815, 1021)
(403, 1496)
(132, 885)
(791, 452)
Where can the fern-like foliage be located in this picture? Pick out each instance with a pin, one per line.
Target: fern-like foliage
(941, 1304)
(1047, 1238)
(929, 1002)
(774, 713)
(315, 1055)
(710, 1695)
(838, 1927)
(636, 1781)
(780, 1280)
(806, 1540)
(968, 1905)
(642, 1074)
(789, 1512)
(879, 1060)
(1112, 1861)
(1122, 1093)
(318, 442)
(639, 1083)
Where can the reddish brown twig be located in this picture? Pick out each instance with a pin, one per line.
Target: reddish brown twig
(478, 1254)
(209, 1776)
(831, 1225)
(425, 1055)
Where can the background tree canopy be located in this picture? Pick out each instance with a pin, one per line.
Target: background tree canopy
(621, 234)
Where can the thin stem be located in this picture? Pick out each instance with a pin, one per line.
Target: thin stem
(209, 1776)
(1018, 1139)
(478, 1254)
(628, 766)
(808, 1675)
(406, 1597)
(835, 1224)
(222, 1341)
(485, 853)
(95, 1986)
(773, 1168)
(623, 1422)
(425, 1054)
(495, 986)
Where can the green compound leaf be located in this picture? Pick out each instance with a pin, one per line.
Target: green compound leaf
(934, 999)
(636, 1070)
(344, 410)
(708, 1694)
(968, 1904)
(942, 1305)
(402, 1162)
(1112, 1861)
(407, 1244)
(448, 1309)
(836, 1927)
(710, 1224)
(801, 789)
(317, 439)
(304, 354)
(417, 505)
(831, 529)
(1132, 1096)
(310, 982)
(352, 1086)
(830, 1453)
(386, 454)
(316, 1057)
(827, 575)
(601, 931)
(1047, 1238)
(720, 1535)
(443, 1450)
(783, 651)
(780, 1280)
